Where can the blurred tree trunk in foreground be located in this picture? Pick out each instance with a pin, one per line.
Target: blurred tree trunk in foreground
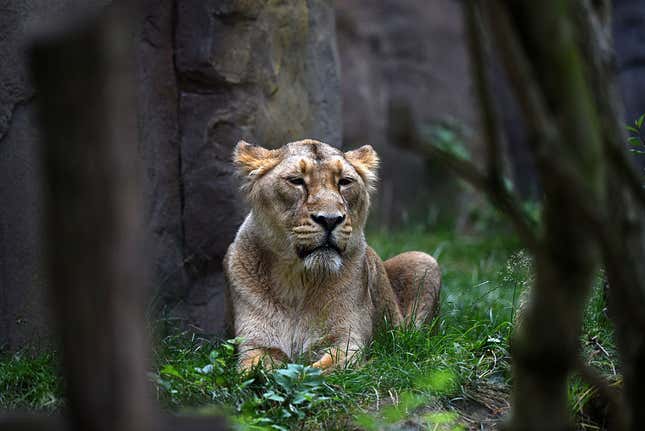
(558, 59)
(93, 227)
(558, 109)
(614, 227)
(623, 242)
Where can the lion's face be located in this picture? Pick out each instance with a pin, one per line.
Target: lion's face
(311, 198)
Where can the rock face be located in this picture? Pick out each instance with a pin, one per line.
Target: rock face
(22, 314)
(257, 70)
(20, 284)
(210, 73)
(629, 40)
(413, 52)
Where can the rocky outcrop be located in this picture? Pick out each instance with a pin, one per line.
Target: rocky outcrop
(210, 73)
(262, 71)
(22, 311)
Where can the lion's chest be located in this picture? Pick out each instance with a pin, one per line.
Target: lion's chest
(297, 336)
(300, 326)
(308, 317)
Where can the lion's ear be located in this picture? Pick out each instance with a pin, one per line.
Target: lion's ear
(365, 161)
(254, 161)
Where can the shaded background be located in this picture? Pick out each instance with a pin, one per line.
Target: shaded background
(212, 72)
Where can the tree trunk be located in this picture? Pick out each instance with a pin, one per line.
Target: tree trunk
(547, 342)
(92, 201)
(624, 242)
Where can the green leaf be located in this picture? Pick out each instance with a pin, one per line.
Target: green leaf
(632, 129)
(508, 184)
(205, 370)
(297, 411)
(271, 395)
(632, 140)
(246, 383)
(286, 413)
(169, 370)
(639, 122)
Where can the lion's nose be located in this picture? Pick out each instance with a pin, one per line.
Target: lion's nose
(328, 220)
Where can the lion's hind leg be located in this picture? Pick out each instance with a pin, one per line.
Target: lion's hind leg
(416, 280)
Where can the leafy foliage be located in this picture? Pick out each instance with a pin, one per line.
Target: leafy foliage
(636, 139)
(448, 137)
(291, 394)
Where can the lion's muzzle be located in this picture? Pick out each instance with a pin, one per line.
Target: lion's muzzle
(328, 221)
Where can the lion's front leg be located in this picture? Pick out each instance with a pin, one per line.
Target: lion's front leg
(331, 359)
(337, 356)
(260, 356)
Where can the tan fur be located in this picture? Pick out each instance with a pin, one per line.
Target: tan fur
(299, 287)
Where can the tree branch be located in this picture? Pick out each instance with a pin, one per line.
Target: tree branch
(407, 134)
(536, 113)
(596, 36)
(492, 186)
(477, 45)
(522, 78)
(405, 131)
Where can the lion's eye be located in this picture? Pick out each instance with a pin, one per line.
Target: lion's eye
(296, 181)
(345, 181)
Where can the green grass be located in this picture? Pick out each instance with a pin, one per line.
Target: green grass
(434, 375)
(29, 381)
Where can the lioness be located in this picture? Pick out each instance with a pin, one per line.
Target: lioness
(301, 277)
